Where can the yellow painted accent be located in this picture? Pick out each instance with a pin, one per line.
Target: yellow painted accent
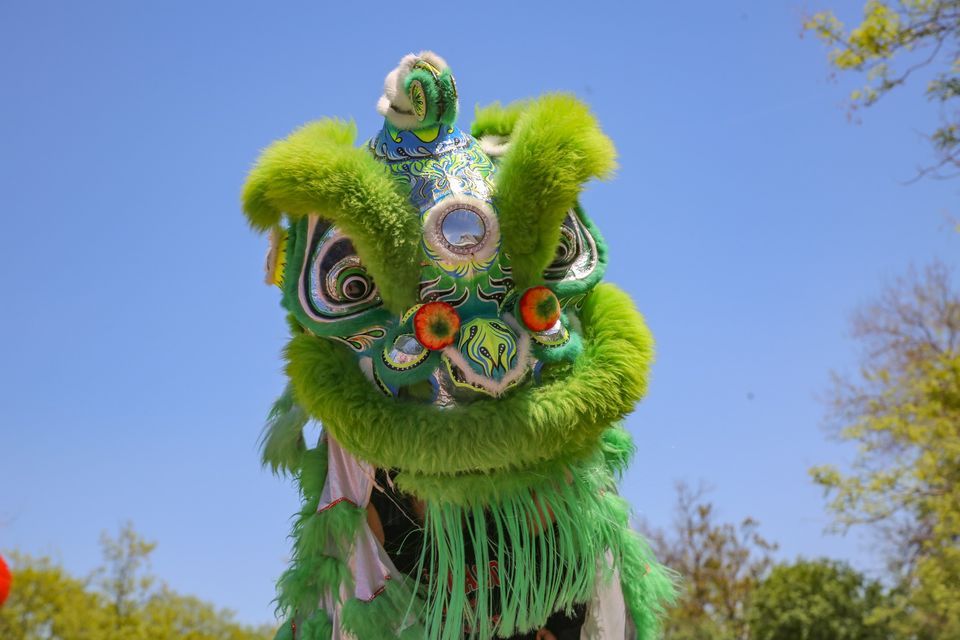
(429, 134)
(277, 257)
(423, 64)
(393, 131)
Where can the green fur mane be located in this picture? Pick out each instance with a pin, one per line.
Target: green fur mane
(560, 419)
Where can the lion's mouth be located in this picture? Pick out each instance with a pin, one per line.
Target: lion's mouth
(466, 375)
(558, 413)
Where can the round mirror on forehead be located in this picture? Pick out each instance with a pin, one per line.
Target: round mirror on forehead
(461, 235)
(463, 229)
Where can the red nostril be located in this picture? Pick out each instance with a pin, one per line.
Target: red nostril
(539, 308)
(436, 325)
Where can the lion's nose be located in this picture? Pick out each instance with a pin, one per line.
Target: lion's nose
(489, 346)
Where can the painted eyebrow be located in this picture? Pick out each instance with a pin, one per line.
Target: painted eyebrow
(555, 146)
(318, 170)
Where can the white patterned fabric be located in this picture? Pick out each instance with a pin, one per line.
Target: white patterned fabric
(351, 481)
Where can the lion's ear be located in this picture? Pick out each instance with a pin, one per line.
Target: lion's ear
(553, 145)
(317, 170)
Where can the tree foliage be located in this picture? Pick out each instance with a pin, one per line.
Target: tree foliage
(903, 412)
(118, 601)
(721, 565)
(817, 600)
(895, 40)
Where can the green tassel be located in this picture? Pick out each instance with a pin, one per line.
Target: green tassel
(648, 587)
(313, 471)
(281, 443)
(322, 542)
(285, 632)
(540, 568)
(316, 627)
(618, 448)
(391, 614)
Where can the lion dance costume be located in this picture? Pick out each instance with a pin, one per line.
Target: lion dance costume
(451, 334)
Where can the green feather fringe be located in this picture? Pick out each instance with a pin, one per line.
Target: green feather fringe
(541, 568)
(322, 542)
(618, 448)
(281, 444)
(648, 587)
(316, 627)
(391, 614)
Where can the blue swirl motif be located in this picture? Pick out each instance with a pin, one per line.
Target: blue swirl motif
(466, 171)
(451, 164)
(406, 145)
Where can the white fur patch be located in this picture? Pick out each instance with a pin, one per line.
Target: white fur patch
(494, 146)
(394, 104)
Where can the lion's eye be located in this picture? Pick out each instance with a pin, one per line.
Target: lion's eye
(567, 249)
(576, 257)
(334, 283)
(348, 281)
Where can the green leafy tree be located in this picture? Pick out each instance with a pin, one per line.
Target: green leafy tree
(167, 614)
(123, 579)
(902, 410)
(47, 602)
(892, 43)
(720, 565)
(120, 600)
(817, 600)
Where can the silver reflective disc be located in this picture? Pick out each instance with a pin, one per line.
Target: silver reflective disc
(462, 229)
(405, 349)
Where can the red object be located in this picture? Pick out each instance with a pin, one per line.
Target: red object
(539, 308)
(5, 581)
(436, 325)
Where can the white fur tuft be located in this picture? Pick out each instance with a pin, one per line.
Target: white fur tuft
(394, 104)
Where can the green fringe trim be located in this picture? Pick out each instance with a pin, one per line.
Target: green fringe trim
(618, 449)
(539, 567)
(648, 587)
(316, 627)
(549, 567)
(281, 444)
(391, 614)
(504, 511)
(321, 545)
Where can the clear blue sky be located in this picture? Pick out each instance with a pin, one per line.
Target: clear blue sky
(140, 349)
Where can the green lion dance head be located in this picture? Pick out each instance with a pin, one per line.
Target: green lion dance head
(450, 327)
